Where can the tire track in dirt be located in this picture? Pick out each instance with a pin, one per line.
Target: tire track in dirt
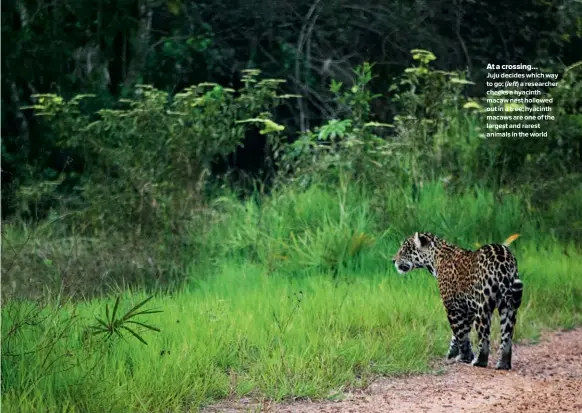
(546, 377)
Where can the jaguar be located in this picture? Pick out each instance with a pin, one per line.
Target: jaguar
(472, 284)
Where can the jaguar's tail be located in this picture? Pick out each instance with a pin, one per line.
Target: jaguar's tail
(510, 239)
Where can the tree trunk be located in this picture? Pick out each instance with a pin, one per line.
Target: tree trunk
(140, 43)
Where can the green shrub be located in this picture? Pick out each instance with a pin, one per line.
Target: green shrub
(147, 163)
(435, 134)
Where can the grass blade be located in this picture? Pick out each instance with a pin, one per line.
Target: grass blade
(131, 312)
(145, 326)
(135, 334)
(115, 309)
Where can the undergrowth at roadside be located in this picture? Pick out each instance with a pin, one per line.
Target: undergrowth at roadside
(298, 298)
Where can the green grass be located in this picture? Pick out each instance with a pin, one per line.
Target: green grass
(298, 299)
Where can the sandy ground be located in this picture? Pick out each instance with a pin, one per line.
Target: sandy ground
(546, 377)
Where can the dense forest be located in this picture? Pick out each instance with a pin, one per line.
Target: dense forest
(210, 192)
(106, 47)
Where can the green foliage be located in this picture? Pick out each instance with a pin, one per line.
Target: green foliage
(253, 331)
(111, 324)
(337, 231)
(146, 163)
(106, 47)
(544, 166)
(341, 146)
(558, 154)
(115, 192)
(52, 340)
(427, 140)
(440, 133)
(437, 133)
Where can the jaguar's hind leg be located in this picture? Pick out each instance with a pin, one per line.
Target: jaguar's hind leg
(508, 317)
(460, 322)
(453, 348)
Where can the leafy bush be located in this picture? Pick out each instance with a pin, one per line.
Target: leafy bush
(437, 133)
(426, 141)
(340, 146)
(146, 163)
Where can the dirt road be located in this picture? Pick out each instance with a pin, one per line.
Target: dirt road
(546, 377)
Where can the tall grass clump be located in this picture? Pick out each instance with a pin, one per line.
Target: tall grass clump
(342, 229)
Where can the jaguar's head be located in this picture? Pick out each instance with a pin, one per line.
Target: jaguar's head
(417, 251)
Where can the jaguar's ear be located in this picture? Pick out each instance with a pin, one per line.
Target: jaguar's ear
(420, 240)
(416, 240)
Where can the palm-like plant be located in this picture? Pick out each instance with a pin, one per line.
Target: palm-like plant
(113, 325)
